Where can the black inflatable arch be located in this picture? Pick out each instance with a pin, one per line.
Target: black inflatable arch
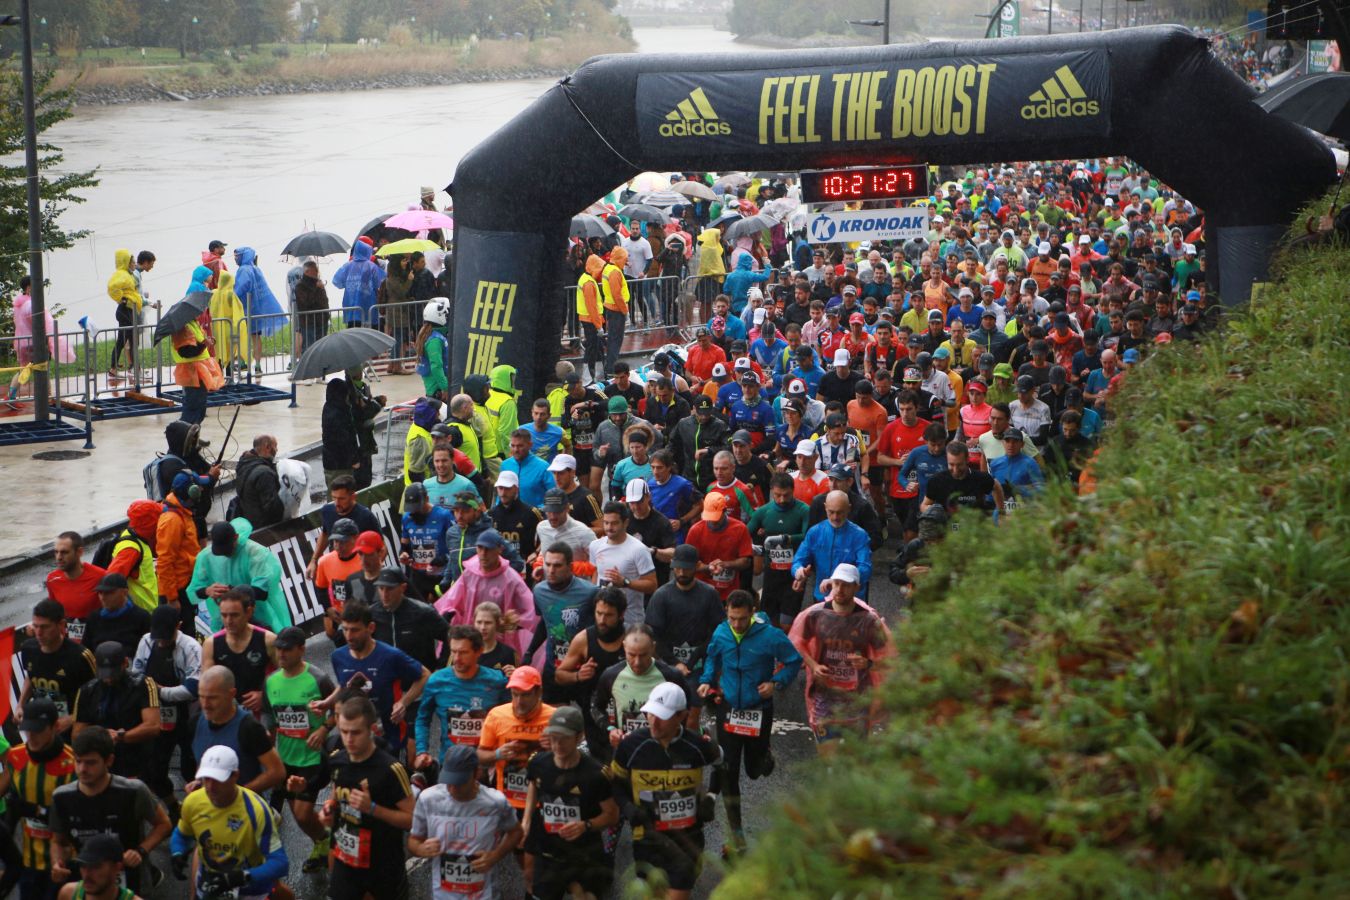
(1157, 95)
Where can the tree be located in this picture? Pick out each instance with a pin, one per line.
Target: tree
(58, 190)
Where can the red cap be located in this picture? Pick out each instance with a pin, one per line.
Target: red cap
(857, 319)
(369, 542)
(524, 678)
(977, 386)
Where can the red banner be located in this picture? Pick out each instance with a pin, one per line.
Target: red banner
(7, 650)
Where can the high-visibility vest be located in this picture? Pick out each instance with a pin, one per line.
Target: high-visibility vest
(469, 445)
(144, 584)
(584, 280)
(610, 302)
(489, 448)
(415, 433)
(497, 401)
(198, 337)
(557, 402)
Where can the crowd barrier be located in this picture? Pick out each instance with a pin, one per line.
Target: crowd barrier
(68, 390)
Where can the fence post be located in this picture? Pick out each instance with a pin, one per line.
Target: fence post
(88, 391)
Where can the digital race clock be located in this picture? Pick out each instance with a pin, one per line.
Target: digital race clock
(880, 183)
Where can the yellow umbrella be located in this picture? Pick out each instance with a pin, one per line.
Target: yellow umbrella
(227, 320)
(407, 245)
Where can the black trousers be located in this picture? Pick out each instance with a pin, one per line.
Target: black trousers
(738, 749)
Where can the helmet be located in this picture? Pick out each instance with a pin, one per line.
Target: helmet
(437, 311)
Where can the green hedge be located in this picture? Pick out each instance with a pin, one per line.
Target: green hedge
(1145, 693)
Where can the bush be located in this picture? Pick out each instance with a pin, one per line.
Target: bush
(193, 73)
(223, 66)
(400, 35)
(1140, 694)
(260, 65)
(282, 51)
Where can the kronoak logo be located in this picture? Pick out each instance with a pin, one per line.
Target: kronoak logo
(1060, 97)
(693, 117)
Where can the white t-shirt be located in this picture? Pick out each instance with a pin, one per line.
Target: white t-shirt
(633, 560)
(465, 830)
(573, 534)
(639, 257)
(1030, 419)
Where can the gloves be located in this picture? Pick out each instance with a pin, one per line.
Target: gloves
(639, 817)
(179, 864)
(216, 882)
(707, 808)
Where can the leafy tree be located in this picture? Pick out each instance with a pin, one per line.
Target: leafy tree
(58, 189)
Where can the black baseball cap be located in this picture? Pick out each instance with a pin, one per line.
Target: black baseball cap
(163, 623)
(555, 501)
(214, 244)
(112, 581)
(390, 577)
(344, 529)
(110, 657)
(1026, 383)
(686, 557)
(39, 713)
(290, 637)
(223, 537)
(415, 495)
(839, 471)
(98, 849)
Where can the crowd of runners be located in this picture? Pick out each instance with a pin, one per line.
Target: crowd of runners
(582, 632)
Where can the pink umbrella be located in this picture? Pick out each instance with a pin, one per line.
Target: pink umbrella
(419, 220)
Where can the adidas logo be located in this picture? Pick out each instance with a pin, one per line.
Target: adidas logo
(693, 117)
(1060, 97)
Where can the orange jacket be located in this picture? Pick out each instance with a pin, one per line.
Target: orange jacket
(176, 548)
(589, 304)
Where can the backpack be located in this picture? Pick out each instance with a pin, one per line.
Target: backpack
(150, 474)
(103, 556)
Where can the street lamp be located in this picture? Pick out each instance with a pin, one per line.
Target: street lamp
(37, 290)
(883, 23)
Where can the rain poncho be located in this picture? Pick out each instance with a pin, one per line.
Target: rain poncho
(738, 283)
(122, 284)
(710, 253)
(503, 587)
(23, 328)
(359, 279)
(251, 564)
(214, 265)
(259, 302)
(201, 280)
(227, 320)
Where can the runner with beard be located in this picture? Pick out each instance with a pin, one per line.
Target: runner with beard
(422, 534)
(566, 604)
(460, 696)
(594, 650)
(684, 613)
(777, 528)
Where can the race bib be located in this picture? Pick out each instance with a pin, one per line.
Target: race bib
(465, 730)
(745, 722)
(422, 557)
(75, 629)
(632, 724)
(168, 716)
(351, 845)
(780, 558)
(676, 812)
(725, 576)
(515, 785)
(683, 653)
(36, 829)
(557, 814)
(560, 648)
(842, 678)
(293, 721)
(459, 877)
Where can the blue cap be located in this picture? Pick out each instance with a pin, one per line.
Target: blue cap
(1131, 355)
(460, 764)
(185, 479)
(942, 353)
(491, 539)
(1193, 295)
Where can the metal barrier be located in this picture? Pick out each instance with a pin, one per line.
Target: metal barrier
(398, 418)
(402, 321)
(653, 304)
(67, 384)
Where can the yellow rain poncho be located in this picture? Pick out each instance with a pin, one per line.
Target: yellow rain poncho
(227, 320)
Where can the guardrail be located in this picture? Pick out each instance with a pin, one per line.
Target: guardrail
(653, 304)
(67, 381)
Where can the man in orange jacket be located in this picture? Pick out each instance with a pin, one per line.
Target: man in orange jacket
(176, 545)
(590, 313)
(614, 289)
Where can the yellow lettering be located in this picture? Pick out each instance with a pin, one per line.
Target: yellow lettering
(812, 136)
(765, 110)
(780, 110)
(965, 77)
(871, 132)
(510, 290)
(902, 117)
(986, 70)
(923, 102)
(482, 356)
(841, 82)
(942, 104)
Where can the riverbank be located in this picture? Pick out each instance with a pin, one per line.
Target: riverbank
(304, 69)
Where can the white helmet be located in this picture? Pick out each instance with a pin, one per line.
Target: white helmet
(437, 311)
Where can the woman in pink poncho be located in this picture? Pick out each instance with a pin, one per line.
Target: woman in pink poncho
(486, 577)
(23, 328)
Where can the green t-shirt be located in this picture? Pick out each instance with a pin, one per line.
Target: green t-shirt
(630, 692)
(290, 699)
(775, 520)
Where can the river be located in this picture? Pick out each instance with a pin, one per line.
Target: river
(255, 171)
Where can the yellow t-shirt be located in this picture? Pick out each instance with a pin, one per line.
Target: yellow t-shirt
(242, 834)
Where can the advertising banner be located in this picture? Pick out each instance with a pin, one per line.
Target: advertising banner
(1009, 20)
(1323, 56)
(869, 225)
(920, 103)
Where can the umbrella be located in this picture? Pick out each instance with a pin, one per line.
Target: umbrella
(650, 181)
(641, 212)
(587, 226)
(181, 313)
(727, 184)
(407, 245)
(1320, 102)
(316, 243)
(664, 199)
(419, 220)
(725, 219)
(749, 227)
(340, 351)
(780, 208)
(376, 229)
(696, 190)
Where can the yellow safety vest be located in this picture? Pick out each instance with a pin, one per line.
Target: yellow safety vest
(144, 584)
(610, 302)
(496, 402)
(415, 433)
(469, 446)
(581, 293)
(489, 448)
(199, 337)
(557, 402)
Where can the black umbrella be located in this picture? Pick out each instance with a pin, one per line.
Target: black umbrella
(340, 351)
(641, 212)
(376, 229)
(586, 227)
(316, 243)
(181, 313)
(1320, 102)
(749, 227)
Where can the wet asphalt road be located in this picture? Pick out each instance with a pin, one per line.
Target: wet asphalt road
(793, 746)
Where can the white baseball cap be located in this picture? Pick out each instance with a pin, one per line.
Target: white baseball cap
(805, 448)
(635, 491)
(759, 314)
(842, 357)
(508, 478)
(1084, 239)
(666, 701)
(218, 763)
(847, 572)
(1043, 249)
(743, 363)
(719, 371)
(562, 462)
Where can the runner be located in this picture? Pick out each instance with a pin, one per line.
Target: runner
(841, 642)
(468, 827)
(56, 667)
(331, 572)
(569, 806)
(31, 774)
(684, 613)
(101, 870)
(748, 661)
(592, 652)
(511, 733)
(459, 696)
(301, 733)
(236, 835)
(125, 703)
(174, 661)
(370, 809)
(392, 679)
(626, 685)
(667, 820)
(247, 650)
(778, 528)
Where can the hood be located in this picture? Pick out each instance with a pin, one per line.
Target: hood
(503, 378)
(122, 259)
(594, 265)
(251, 460)
(336, 391)
(744, 262)
(201, 274)
(225, 281)
(143, 516)
(476, 386)
(710, 237)
(242, 527)
(361, 251)
(473, 566)
(209, 258)
(618, 256)
(245, 256)
(175, 433)
(426, 412)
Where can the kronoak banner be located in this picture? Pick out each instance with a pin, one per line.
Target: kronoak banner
(1157, 95)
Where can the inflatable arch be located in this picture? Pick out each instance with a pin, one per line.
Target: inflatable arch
(1157, 95)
